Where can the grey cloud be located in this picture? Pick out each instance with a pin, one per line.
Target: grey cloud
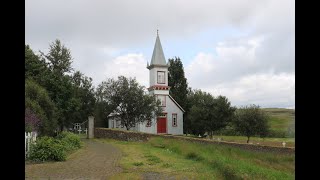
(88, 26)
(128, 23)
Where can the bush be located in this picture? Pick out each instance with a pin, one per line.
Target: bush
(277, 134)
(54, 149)
(193, 156)
(69, 140)
(138, 163)
(47, 148)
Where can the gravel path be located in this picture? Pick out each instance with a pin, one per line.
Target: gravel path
(96, 160)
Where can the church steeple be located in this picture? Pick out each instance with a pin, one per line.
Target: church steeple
(158, 58)
(158, 70)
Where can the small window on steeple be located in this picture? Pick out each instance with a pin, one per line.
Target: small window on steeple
(161, 77)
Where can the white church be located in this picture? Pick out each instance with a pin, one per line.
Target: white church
(171, 120)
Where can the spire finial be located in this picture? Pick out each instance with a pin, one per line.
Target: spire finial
(157, 32)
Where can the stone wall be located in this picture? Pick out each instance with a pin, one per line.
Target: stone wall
(122, 135)
(138, 136)
(251, 147)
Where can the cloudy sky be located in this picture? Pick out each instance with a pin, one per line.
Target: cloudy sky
(241, 49)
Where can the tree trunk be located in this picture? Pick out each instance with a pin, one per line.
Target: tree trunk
(211, 135)
(248, 139)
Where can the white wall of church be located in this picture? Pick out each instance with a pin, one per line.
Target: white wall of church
(171, 108)
(113, 123)
(152, 129)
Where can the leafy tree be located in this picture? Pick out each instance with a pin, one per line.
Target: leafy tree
(59, 58)
(222, 114)
(250, 121)
(72, 94)
(199, 112)
(38, 103)
(103, 107)
(83, 93)
(60, 85)
(177, 81)
(207, 113)
(101, 111)
(35, 68)
(128, 101)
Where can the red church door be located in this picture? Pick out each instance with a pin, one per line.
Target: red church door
(162, 125)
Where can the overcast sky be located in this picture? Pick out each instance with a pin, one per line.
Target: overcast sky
(241, 49)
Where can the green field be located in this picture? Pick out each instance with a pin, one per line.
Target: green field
(171, 158)
(280, 118)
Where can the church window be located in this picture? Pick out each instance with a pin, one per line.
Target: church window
(148, 123)
(174, 120)
(161, 77)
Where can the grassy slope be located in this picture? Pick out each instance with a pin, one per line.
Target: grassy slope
(281, 118)
(180, 159)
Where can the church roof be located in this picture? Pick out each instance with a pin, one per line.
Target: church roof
(158, 58)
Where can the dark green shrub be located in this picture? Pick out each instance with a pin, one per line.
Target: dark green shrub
(70, 140)
(153, 159)
(277, 134)
(193, 156)
(47, 149)
(225, 170)
(138, 163)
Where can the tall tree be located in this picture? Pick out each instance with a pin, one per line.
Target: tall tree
(130, 104)
(251, 120)
(59, 58)
(83, 92)
(177, 81)
(35, 68)
(59, 84)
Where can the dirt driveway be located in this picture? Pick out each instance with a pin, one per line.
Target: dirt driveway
(96, 160)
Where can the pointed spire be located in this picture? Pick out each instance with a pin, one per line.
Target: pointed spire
(158, 56)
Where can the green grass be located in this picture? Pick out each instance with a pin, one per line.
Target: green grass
(182, 159)
(280, 118)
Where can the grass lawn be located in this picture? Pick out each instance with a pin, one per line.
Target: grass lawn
(171, 158)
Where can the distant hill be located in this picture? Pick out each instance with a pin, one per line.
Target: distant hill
(281, 118)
